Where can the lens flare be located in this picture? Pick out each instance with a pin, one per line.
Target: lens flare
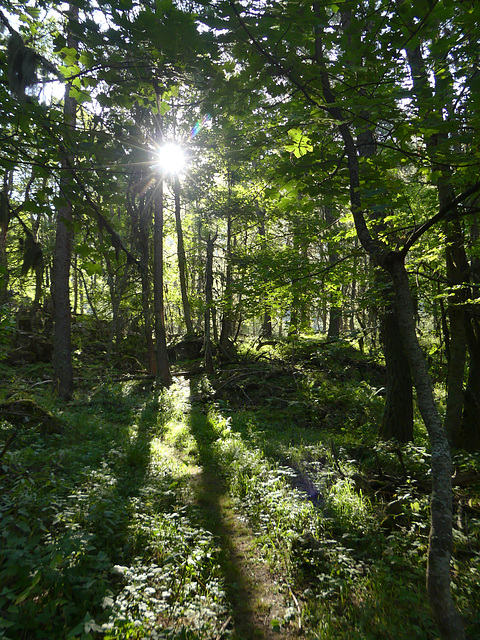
(171, 158)
(199, 126)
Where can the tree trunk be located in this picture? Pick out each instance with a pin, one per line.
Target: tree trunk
(182, 262)
(163, 365)
(227, 317)
(448, 619)
(144, 221)
(471, 414)
(470, 438)
(457, 275)
(208, 303)
(266, 330)
(62, 345)
(397, 420)
(335, 312)
(470, 433)
(456, 259)
(4, 222)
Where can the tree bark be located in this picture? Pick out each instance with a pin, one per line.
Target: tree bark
(455, 255)
(4, 223)
(266, 330)
(208, 303)
(227, 317)
(182, 262)
(144, 222)
(470, 433)
(335, 312)
(397, 419)
(62, 344)
(163, 365)
(448, 619)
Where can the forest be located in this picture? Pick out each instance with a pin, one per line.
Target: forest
(239, 319)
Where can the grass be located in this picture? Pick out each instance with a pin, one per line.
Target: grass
(185, 513)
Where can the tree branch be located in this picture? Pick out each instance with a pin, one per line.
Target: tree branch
(421, 229)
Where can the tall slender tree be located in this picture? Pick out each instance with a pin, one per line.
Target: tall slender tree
(62, 354)
(182, 261)
(163, 365)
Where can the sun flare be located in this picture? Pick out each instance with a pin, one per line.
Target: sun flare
(171, 158)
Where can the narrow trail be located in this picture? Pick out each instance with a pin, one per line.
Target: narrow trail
(251, 590)
(254, 596)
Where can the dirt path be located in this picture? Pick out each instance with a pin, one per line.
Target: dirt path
(257, 604)
(251, 589)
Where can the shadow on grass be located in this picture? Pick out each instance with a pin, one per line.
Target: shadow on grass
(216, 516)
(79, 509)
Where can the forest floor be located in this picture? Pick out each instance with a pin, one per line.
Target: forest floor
(253, 504)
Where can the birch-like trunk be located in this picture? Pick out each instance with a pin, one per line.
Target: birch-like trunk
(448, 619)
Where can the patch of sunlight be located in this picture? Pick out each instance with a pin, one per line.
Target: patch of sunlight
(179, 436)
(351, 508)
(133, 430)
(128, 387)
(164, 454)
(175, 399)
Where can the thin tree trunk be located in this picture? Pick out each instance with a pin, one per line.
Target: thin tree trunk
(266, 330)
(75, 285)
(471, 413)
(4, 222)
(163, 365)
(470, 433)
(182, 262)
(227, 317)
(62, 345)
(208, 303)
(448, 619)
(144, 220)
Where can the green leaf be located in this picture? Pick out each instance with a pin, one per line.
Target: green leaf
(92, 268)
(34, 12)
(79, 95)
(301, 144)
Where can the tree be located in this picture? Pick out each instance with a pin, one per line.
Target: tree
(344, 97)
(62, 353)
(182, 262)
(163, 366)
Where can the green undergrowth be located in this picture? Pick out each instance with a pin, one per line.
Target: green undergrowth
(112, 528)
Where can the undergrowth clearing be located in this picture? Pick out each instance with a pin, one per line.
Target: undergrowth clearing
(250, 504)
